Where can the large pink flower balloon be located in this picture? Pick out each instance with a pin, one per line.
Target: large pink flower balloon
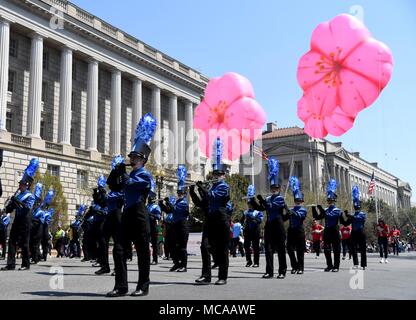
(229, 111)
(345, 69)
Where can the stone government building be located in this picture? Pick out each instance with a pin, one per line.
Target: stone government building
(315, 159)
(72, 96)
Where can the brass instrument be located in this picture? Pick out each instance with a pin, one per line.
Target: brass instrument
(205, 183)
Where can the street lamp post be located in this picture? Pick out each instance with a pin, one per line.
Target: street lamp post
(160, 174)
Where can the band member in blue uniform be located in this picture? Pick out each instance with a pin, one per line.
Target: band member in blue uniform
(296, 232)
(201, 201)
(74, 244)
(4, 224)
(155, 215)
(135, 218)
(47, 218)
(251, 220)
(180, 225)
(99, 210)
(38, 220)
(274, 229)
(168, 229)
(22, 203)
(218, 218)
(331, 237)
(358, 236)
(36, 226)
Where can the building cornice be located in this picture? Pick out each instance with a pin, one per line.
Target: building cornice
(139, 52)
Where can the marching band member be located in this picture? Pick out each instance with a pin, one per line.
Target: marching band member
(382, 238)
(274, 229)
(155, 215)
(46, 236)
(346, 241)
(201, 201)
(252, 220)
(135, 218)
(99, 211)
(22, 203)
(4, 223)
(316, 231)
(296, 232)
(218, 219)
(331, 235)
(36, 226)
(74, 245)
(358, 237)
(180, 227)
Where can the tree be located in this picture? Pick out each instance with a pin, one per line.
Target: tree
(59, 203)
(238, 190)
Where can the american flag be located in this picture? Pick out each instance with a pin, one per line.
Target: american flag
(371, 185)
(259, 151)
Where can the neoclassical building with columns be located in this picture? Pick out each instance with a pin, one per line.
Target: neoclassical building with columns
(72, 90)
(314, 161)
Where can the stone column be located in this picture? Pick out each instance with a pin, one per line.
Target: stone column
(189, 125)
(4, 70)
(115, 122)
(92, 106)
(65, 97)
(35, 87)
(137, 108)
(157, 145)
(197, 158)
(173, 127)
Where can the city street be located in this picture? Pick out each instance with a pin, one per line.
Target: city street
(395, 280)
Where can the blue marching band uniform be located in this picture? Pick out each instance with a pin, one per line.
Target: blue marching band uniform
(130, 213)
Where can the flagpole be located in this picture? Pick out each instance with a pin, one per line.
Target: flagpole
(375, 198)
(252, 164)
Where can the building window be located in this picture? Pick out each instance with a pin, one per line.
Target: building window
(53, 170)
(298, 172)
(46, 60)
(13, 49)
(44, 91)
(285, 170)
(12, 81)
(42, 129)
(9, 118)
(74, 71)
(82, 179)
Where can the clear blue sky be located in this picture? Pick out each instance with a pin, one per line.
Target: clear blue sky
(263, 40)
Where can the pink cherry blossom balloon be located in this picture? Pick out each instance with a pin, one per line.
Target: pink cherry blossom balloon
(229, 111)
(346, 69)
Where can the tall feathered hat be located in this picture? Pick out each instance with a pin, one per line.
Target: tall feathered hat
(251, 191)
(331, 190)
(144, 133)
(117, 160)
(295, 187)
(30, 172)
(101, 181)
(38, 191)
(274, 172)
(217, 165)
(152, 193)
(356, 197)
(181, 173)
(48, 198)
(80, 211)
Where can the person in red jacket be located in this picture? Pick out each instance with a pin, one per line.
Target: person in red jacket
(395, 237)
(382, 235)
(345, 240)
(316, 232)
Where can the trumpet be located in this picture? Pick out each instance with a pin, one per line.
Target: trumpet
(205, 183)
(9, 200)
